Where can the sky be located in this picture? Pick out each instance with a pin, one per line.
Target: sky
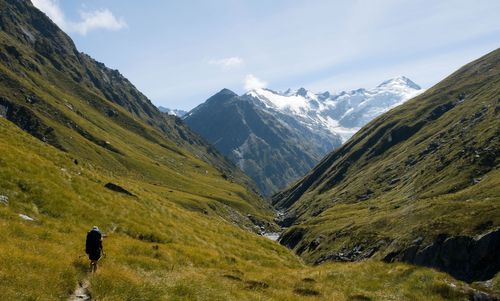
(180, 52)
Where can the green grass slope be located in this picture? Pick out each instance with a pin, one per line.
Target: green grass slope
(424, 170)
(69, 126)
(158, 250)
(79, 106)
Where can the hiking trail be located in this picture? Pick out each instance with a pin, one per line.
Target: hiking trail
(81, 292)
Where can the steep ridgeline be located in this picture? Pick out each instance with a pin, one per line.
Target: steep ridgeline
(271, 152)
(81, 107)
(417, 184)
(275, 138)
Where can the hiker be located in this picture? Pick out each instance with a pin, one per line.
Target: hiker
(93, 247)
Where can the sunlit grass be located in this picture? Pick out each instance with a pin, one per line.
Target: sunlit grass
(156, 250)
(182, 236)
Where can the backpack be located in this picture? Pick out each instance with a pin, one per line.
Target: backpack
(93, 242)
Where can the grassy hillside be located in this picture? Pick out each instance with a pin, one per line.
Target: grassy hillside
(157, 250)
(85, 109)
(185, 228)
(424, 170)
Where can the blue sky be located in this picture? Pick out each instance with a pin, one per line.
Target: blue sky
(181, 52)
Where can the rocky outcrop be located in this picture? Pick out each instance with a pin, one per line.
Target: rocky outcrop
(28, 121)
(464, 257)
(357, 253)
(4, 200)
(291, 238)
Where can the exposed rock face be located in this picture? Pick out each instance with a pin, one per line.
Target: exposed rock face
(292, 238)
(357, 253)
(27, 120)
(269, 150)
(463, 257)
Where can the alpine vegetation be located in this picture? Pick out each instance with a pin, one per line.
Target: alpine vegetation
(105, 197)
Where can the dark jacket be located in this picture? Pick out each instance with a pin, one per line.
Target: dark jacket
(93, 245)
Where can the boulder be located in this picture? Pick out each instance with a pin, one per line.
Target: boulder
(4, 199)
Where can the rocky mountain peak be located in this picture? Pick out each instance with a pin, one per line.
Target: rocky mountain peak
(400, 81)
(222, 96)
(302, 92)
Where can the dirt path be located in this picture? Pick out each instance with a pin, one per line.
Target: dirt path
(81, 292)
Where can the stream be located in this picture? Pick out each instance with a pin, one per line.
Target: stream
(274, 235)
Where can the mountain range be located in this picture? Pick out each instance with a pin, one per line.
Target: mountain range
(276, 137)
(419, 183)
(81, 146)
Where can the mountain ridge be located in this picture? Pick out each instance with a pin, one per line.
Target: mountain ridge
(301, 126)
(254, 140)
(428, 161)
(176, 226)
(78, 105)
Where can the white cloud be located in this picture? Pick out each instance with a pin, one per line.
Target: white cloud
(102, 18)
(228, 63)
(252, 82)
(52, 10)
(91, 20)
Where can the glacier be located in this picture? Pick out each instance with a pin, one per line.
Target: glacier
(335, 114)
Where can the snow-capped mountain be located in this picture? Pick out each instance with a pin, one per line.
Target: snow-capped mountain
(276, 137)
(340, 114)
(175, 112)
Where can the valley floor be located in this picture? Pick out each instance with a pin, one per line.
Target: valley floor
(186, 255)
